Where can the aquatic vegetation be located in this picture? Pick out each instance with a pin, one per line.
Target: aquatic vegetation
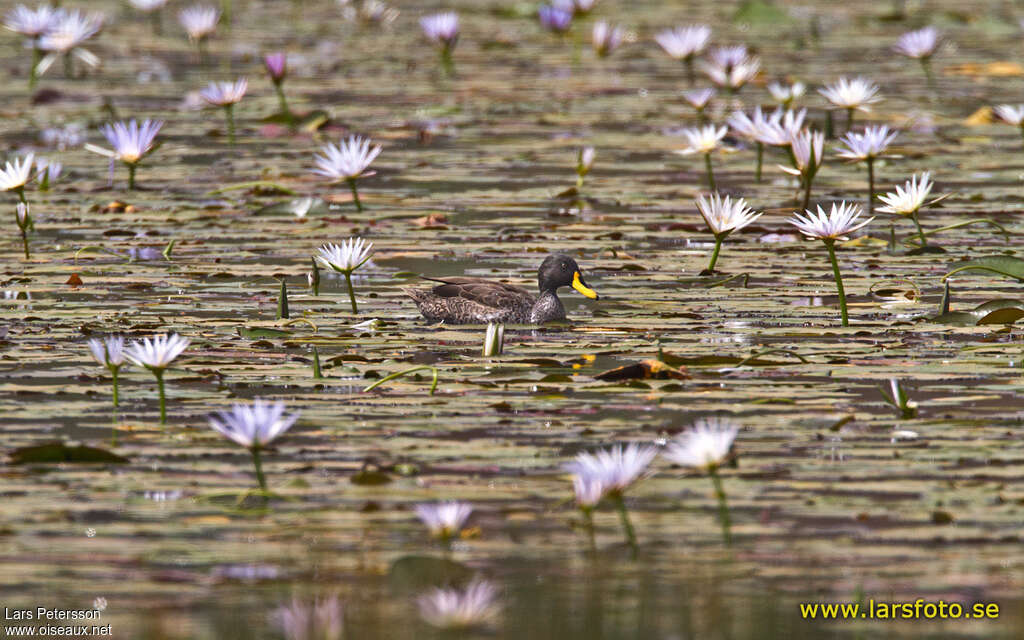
(277, 68)
(199, 22)
(132, 143)
(24, 222)
(47, 173)
(898, 397)
(731, 67)
(584, 162)
(606, 38)
(706, 447)
(156, 355)
(786, 94)
(443, 30)
(851, 95)
(555, 19)
(321, 619)
(348, 161)
(453, 609)
(836, 225)
(33, 23)
(345, 258)
(494, 340)
(614, 470)
(699, 99)
(254, 427)
(723, 216)
(908, 199)
(16, 175)
(226, 95)
(109, 352)
(444, 520)
(761, 130)
(65, 37)
(704, 140)
(1011, 114)
(921, 45)
(867, 147)
(807, 153)
(685, 44)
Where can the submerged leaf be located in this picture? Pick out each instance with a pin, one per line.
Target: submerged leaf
(645, 370)
(53, 452)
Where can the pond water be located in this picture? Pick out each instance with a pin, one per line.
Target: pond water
(828, 503)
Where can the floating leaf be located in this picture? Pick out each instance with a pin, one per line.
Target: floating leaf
(252, 333)
(54, 452)
(1003, 265)
(645, 370)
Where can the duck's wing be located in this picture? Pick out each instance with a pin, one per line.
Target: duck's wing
(489, 293)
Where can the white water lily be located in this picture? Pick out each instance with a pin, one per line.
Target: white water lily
(347, 160)
(854, 94)
(1010, 113)
(15, 175)
(616, 468)
(725, 215)
(808, 151)
(131, 141)
(199, 21)
(909, 198)
(786, 94)
(606, 38)
(699, 98)
(32, 23)
(837, 224)
(702, 139)
(920, 44)
(109, 351)
(222, 94)
(66, 36)
(868, 145)
(158, 352)
(444, 520)
(453, 609)
(253, 426)
(705, 446)
(733, 75)
(345, 257)
(684, 42)
(442, 28)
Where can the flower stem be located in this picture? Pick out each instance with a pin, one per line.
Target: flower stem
(760, 160)
(355, 194)
(849, 119)
(588, 522)
(131, 176)
(260, 478)
(714, 254)
(24, 241)
(920, 231)
(351, 291)
(447, 63)
(807, 191)
(113, 372)
(691, 77)
(156, 21)
(229, 113)
(37, 56)
(69, 66)
(831, 246)
(159, 373)
(711, 175)
(284, 103)
(627, 526)
(871, 185)
(723, 507)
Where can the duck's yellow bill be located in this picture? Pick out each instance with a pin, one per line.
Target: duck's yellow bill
(577, 284)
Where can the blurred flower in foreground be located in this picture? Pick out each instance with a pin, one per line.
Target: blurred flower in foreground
(452, 609)
(706, 447)
(685, 44)
(254, 427)
(157, 354)
(443, 30)
(226, 95)
(109, 353)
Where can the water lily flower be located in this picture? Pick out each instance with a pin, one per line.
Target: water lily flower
(14, 176)
(322, 619)
(724, 216)
(838, 224)
(132, 143)
(454, 609)
(157, 355)
(345, 259)
(807, 155)
(703, 140)
(685, 44)
(615, 470)
(786, 94)
(33, 23)
(24, 221)
(866, 147)
(109, 353)
(47, 173)
(579, 7)
(66, 36)
(908, 200)
(443, 30)
(347, 161)
(199, 22)
(852, 95)
(376, 12)
(606, 38)
(732, 67)
(705, 447)
(584, 161)
(699, 99)
(444, 520)
(254, 427)
(226, 95)
(760, 129)
(277, 69)
(921, 45)
(554, 19)
(1011, 114)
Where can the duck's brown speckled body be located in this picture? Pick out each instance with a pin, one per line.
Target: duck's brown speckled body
(481, 301)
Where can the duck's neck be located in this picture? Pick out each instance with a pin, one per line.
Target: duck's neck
(547, 308)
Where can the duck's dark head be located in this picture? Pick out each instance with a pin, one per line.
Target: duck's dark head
(560, 270)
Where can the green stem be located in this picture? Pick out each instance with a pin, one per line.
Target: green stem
(69, 66)
(849, 119)
(807, 191)
(21, 195)
(714, 254)
(627, 526)
(871, 185)
(229, 111)
(351, 291)
(579, 181)
(588, 522)
(355, 193)
(24, 241)
(831, 246)
(711, 175)
(316, 277)
(159, 373)
(156, 21)
(131, 176)
(691, 76)
(399, 374)
(723, 507)
(113, 372)
(926, 65)
(447, 63)
(256, 462)
(284, 103)
(37, 56)
(760, 160)
(920, 231)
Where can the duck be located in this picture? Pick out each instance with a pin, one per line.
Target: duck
(483, 301)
